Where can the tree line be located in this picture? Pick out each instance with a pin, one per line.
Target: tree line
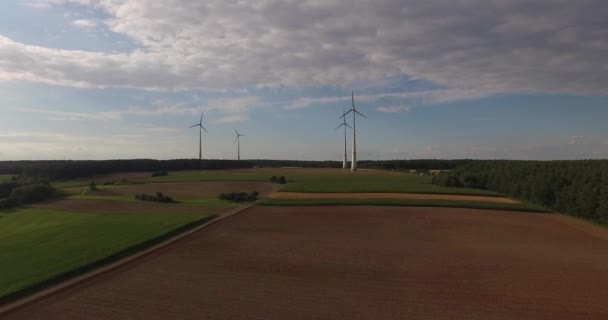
(68, 169)
(578, 188)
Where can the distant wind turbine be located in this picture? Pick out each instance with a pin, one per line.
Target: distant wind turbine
(345, 158)
(353, 166)
(238, 144)
(200, 136)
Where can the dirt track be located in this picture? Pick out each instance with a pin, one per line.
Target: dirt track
(359, 263)
(410, 196)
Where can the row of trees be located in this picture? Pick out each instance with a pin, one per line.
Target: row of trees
(578, 188)
(17, 192)
(158, 197)
(239, 196)
(68, 169)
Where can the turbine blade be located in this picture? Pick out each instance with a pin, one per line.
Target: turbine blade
(204, 129)
(237, 133)
(235, 139)
(338, 127)
(361, 114)
(347, 112)
(201, 122)
(353, 97)
(194, 125)
(348, 125)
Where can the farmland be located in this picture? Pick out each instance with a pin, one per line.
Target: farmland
(43, 246)
(307, 180)
(393, 242)
(358, 263)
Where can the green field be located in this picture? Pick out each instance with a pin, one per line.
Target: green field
(5, 177)
(40, 247)
(208, 202)
(403, 203)
(314, 180)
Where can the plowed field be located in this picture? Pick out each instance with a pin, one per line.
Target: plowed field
(358, 263)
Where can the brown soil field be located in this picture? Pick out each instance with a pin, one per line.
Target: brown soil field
(192, 190)
(358, 263)
(306, 195)
(122, 207)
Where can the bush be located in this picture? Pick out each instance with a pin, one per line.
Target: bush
(160, 174)
(6, 188)
(159, 197)
(32, 193)
(93, 187)
(239, 196)
(279, 179)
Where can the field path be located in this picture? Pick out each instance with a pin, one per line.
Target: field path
(358, 263)
(408, 196)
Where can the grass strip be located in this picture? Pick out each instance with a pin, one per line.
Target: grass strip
(207, 201)
(403, 203)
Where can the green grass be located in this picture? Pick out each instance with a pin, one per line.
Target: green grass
(323, 180)
(208, 201)
(5, 177)
(402, 203)
(41, 247)
(328, 180)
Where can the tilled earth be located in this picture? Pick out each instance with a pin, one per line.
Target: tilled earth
(358, 263)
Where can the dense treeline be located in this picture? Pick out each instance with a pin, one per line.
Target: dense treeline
(24, 191)
(418, 164)
(67, 169)
(578, 188)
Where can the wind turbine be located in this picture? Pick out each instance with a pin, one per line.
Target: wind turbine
(344, 124)
(353, 166)
(238, 144)
(200, 136)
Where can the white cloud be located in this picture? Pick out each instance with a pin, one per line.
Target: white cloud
(550, 46)
(392, 109)
(84, 23)
(437, 96)
(63, 115)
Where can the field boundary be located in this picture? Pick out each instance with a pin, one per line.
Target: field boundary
(387, 195)
(31, 295)
(522, 207)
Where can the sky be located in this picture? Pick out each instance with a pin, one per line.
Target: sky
(118, 79)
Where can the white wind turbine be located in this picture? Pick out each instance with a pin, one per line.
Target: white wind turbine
(200, 136)
(345, 158)
(353, 166)
(238, 144)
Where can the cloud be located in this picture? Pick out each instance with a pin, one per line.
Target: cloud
(549, 46)
(63, 115)
(393, 109)
(84, 23)
(232, 110)
(577, 140)
(437, 96)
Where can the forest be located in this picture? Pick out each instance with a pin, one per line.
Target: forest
(578, 188)
(68, 169)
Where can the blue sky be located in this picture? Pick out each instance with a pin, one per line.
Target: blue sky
(106, 79)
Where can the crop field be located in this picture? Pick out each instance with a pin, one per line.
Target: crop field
(42, 246)
(86, 228)
(358, 263)
(312, 180)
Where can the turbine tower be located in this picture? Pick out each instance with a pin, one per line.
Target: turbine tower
(353, 162)
(238, 144)
(344, 124)
(200, 136)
